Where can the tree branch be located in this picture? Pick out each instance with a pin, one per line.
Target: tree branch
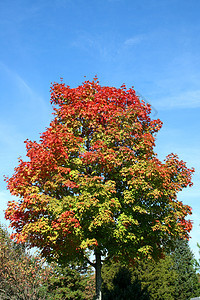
(89, 262)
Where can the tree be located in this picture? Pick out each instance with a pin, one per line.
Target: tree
(186, 284)
(93, 181)
(122, 286)
(152, 279)
(24, 276)
(197, 265)
(172, 277)
(68, 282)
(158, 276)
(21, 275)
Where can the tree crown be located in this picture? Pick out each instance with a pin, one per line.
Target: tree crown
(93, 181)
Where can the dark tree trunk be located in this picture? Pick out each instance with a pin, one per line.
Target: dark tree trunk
(98, 278)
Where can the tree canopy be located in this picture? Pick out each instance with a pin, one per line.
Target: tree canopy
(94, 182)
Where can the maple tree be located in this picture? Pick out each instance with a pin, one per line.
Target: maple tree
(94, 182)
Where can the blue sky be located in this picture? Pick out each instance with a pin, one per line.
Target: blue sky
(151, 45)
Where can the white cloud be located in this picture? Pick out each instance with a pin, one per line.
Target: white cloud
(187, 99)
(23, 115)
(105, 47)
(134, 40)
(24, 107)
(20, 83)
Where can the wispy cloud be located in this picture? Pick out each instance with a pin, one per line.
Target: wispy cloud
(107, 47)
(134, 40)
(25, 95)
(17, 79)
(102, 46)
(24, 114)
(187, 99)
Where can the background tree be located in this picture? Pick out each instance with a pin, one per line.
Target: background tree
(186, 284)
(158, 276)
(24, 276)
(21, 275)
(122, 287)
(197, 265)
(93, 181)
(69, 282)
(173, 277)
(155, 279)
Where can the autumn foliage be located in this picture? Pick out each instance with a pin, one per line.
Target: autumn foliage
(93, 181)
(21, 274)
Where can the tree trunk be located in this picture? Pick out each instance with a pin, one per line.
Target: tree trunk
(98, 278)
